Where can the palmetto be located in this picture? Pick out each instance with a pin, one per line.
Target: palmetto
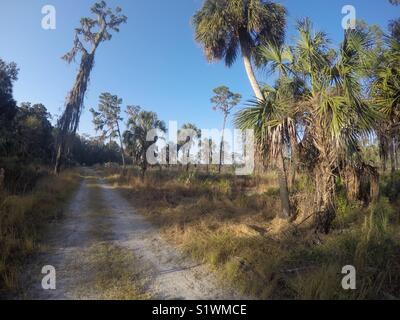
(385, 93)
(319, 90)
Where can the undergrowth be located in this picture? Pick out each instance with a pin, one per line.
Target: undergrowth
(229, 223)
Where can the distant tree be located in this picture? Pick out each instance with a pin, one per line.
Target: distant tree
(140, 123)
(33, 133)
(107, 119)
(225, 26)
(88, 37)
(207, 151)
(8, 106)
(89, 151)
(224, 101)
(186, 140)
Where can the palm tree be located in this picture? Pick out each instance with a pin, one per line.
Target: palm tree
(186, 136)
(140, 123)
(279, 59)
(319, 89)
(272, 122)
(333, 111)
(225, 26)
(274, 119)
(385, 93)
(88, 37)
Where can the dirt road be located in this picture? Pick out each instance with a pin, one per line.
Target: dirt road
(103, 249)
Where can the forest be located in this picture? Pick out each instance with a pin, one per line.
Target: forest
(324, 194)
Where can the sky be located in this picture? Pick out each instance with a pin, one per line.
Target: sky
(153, 62)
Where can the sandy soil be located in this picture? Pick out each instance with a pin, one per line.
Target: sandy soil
(169, 275)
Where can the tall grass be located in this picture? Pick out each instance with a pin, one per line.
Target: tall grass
(229, 223)
(23, 219)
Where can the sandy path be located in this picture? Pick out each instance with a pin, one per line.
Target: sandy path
(169, 274)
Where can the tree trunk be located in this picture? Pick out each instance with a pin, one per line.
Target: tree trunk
(221, 147)
(122, 146)
(294, 154)
(352, 182)
(188, 163)
(59, 156)
(248, 66)
(283, 187)
(325, 196)
(144, 167)
(374, 185)
(392, 156)
(69, 121)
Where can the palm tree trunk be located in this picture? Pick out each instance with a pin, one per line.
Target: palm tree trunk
(294, 155)
(252, 78)
(249, 68)
(283, 186)
(221, 147)
(325, 194)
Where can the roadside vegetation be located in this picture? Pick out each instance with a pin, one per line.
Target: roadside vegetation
(24, 219)
(231, 224)
(30, 196)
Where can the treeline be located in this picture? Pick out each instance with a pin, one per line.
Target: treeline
(27, 139)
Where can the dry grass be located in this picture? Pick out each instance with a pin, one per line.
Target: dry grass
(228, 222)
(23, 219)
(109, 272)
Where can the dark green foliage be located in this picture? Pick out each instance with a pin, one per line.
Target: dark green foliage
(108, 118)
(33, 134)
(390, 186)
(8, 106)
(89, 152)
(27, 140)
(140, 123)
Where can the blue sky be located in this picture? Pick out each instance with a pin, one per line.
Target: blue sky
(153, 62)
